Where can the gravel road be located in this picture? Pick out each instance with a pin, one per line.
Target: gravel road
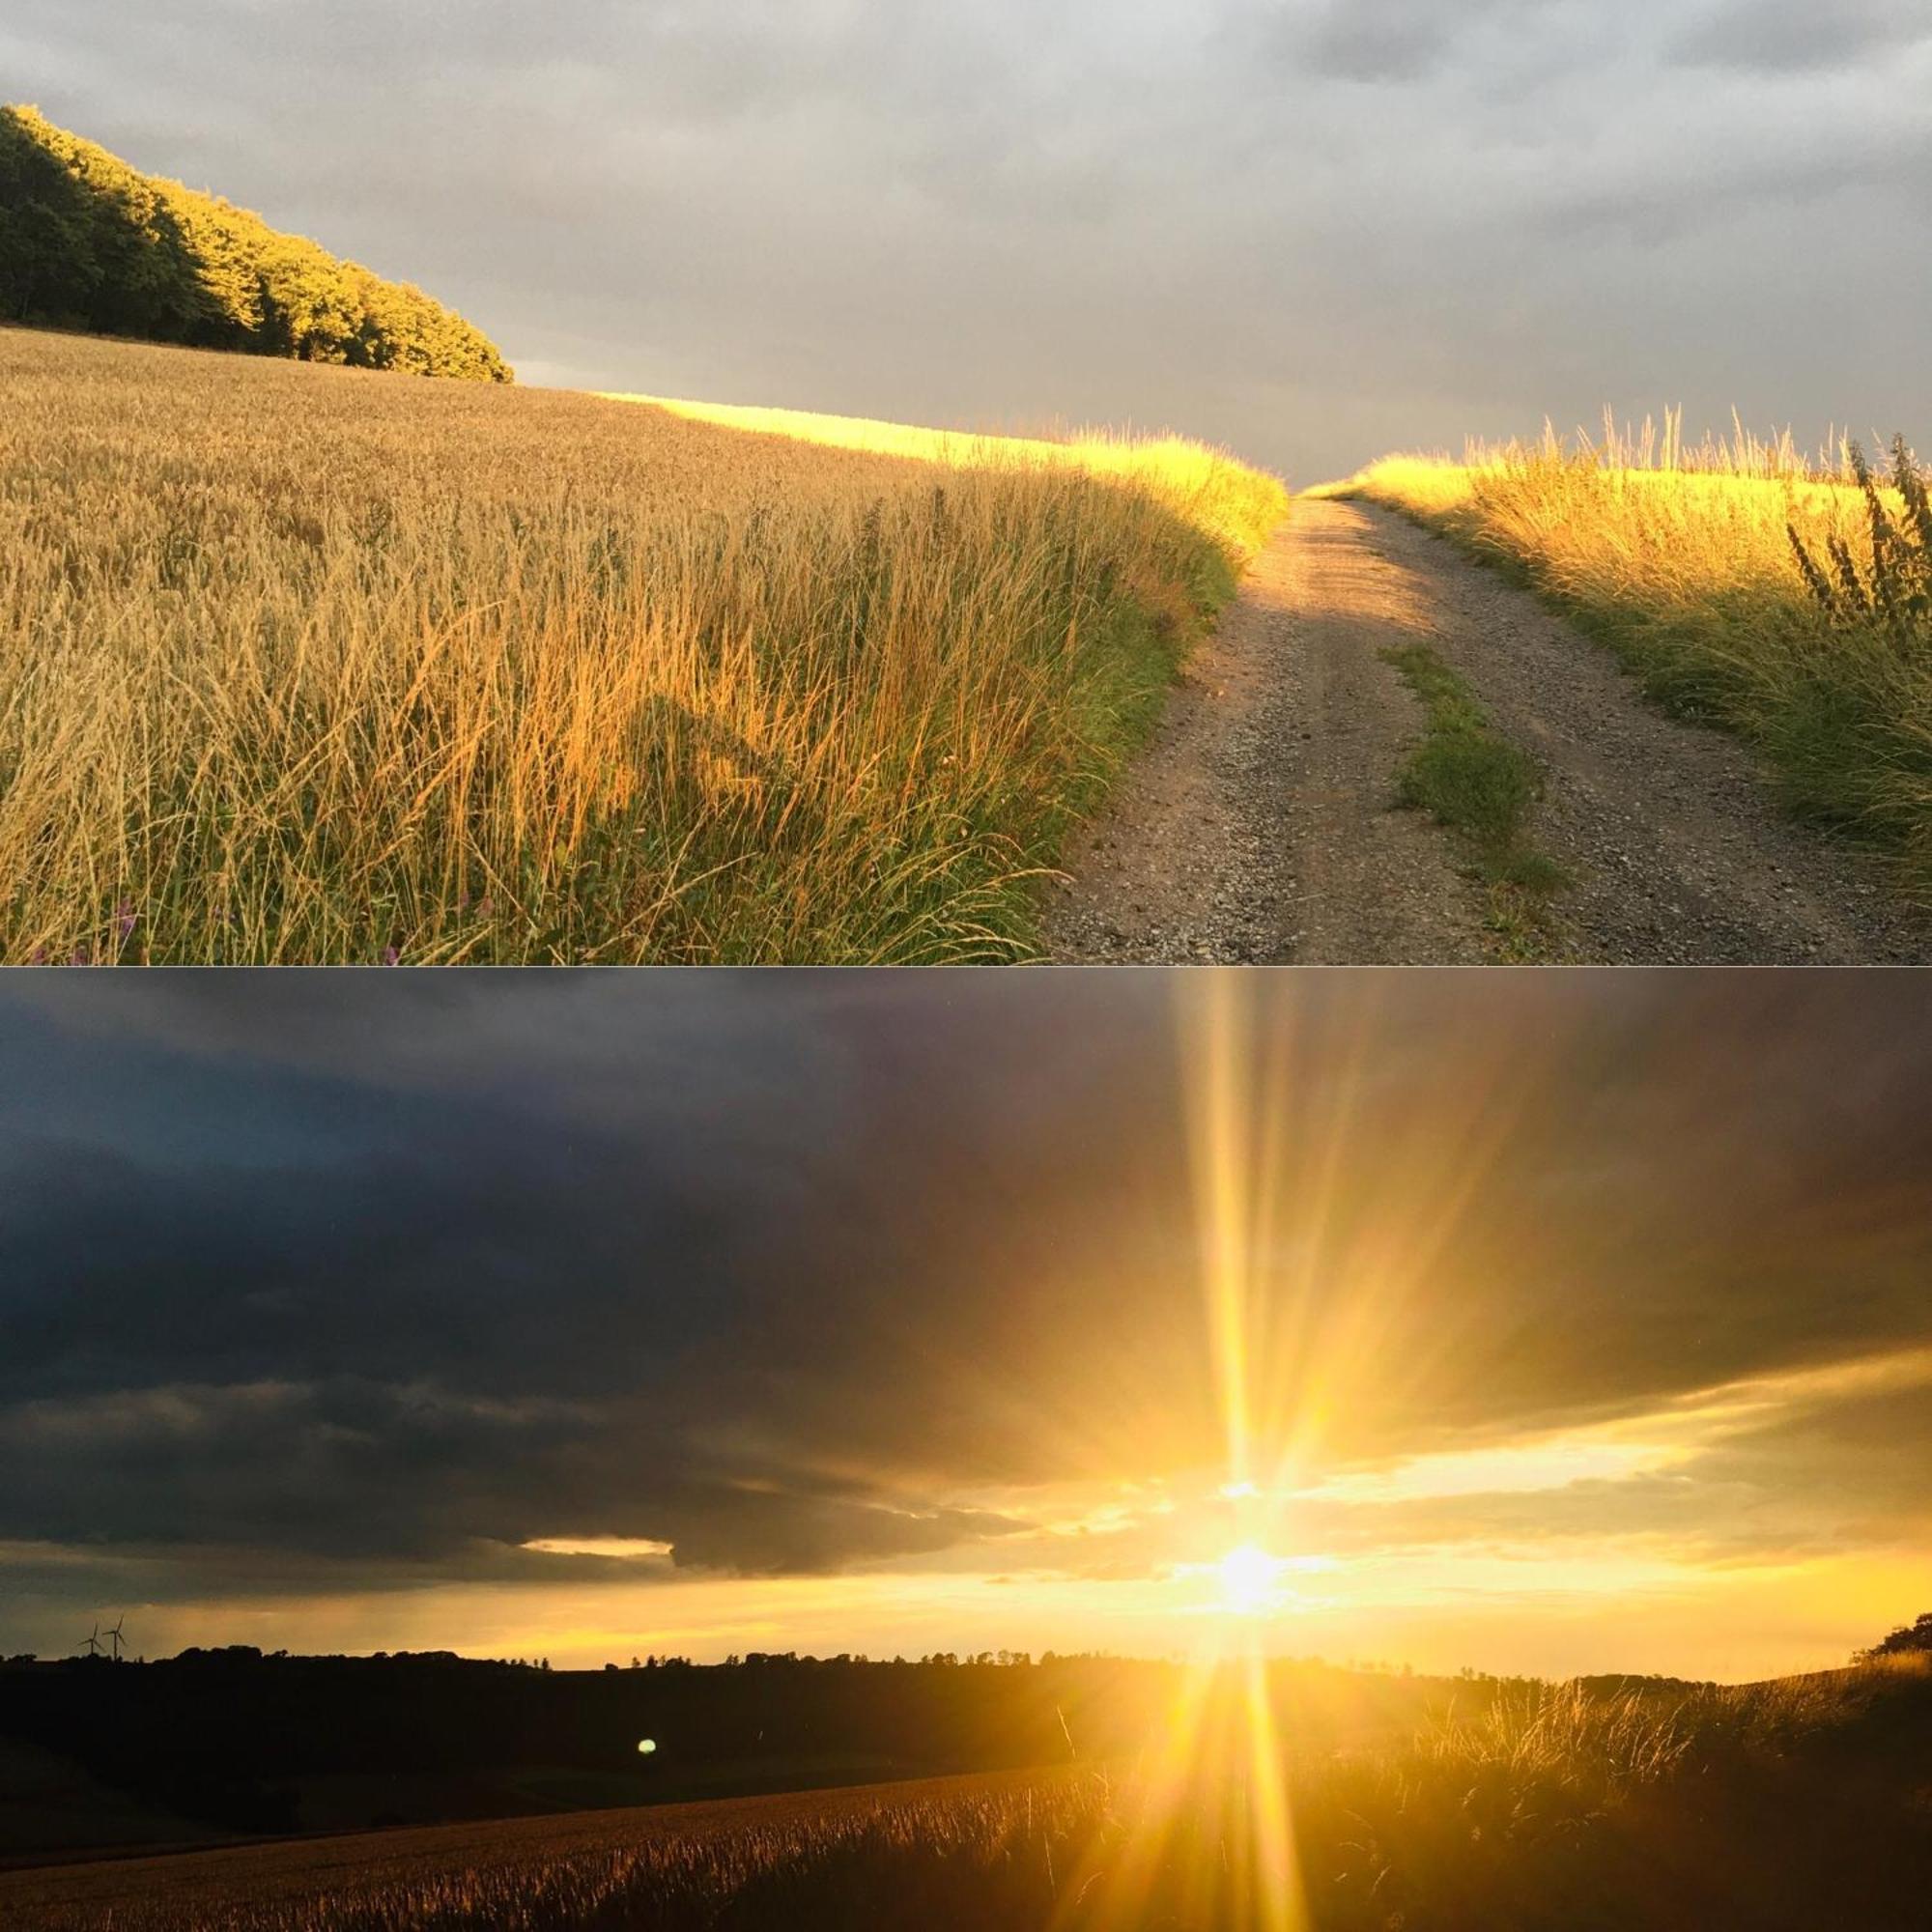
(1259, 825)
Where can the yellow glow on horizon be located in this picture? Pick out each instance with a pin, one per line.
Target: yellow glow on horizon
(1439, 1610)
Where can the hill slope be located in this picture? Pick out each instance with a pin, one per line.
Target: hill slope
(88, 242)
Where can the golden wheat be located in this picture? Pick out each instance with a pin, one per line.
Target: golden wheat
(302, 664)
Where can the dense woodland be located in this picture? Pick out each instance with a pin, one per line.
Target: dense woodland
(88, 243)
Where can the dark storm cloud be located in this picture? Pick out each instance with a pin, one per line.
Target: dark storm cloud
(1309, 228)
(373, 1279)
(481, 1272)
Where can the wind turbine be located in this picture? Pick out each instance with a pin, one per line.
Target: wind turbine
(114, 1635)
(93, 1643)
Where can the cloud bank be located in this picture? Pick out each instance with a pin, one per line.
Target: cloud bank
(370, 1283)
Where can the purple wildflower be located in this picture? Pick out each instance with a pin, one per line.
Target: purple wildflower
(123, 920)
(390, 956)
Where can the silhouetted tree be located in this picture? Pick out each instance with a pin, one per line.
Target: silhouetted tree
(1905, 1640)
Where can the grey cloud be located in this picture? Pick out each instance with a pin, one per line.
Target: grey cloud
(1402, 42)
(386, 1484)
(1382, 39)
(1795, 37)
(1845, 1472)
(1308, 229)
(1652, 212)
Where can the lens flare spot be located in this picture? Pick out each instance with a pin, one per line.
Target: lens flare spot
(1249, 1579)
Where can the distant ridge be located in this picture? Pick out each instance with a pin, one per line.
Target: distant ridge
(87, 242)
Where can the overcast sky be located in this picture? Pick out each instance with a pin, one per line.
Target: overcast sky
(1313, 229)
(1583, 1318)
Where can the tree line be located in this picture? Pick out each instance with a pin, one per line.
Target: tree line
(87, 242)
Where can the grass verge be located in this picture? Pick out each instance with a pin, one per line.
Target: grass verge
(1466, 775)
(1691, 574)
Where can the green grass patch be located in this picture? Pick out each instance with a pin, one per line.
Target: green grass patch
(1466, 775)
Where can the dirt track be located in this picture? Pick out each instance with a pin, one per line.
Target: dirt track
(1259, 825)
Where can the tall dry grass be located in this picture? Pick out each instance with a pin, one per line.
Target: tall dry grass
(1688, 561)
(305, 664)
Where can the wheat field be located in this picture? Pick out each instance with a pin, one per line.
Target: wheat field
(1686, 560)
(309, 665)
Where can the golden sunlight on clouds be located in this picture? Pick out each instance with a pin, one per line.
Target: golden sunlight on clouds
(1382, 1563)
(1600, 1546)
(1420, 1356)
(621, 1548)
(1550, 1463)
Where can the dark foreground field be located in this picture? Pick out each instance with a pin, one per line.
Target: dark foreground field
(1803, 1803)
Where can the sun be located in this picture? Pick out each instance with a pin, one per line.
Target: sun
(1249, 1576)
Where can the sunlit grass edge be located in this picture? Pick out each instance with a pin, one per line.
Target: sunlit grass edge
(1683, 562)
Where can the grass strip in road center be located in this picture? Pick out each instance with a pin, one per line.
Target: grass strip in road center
(1469, 777)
